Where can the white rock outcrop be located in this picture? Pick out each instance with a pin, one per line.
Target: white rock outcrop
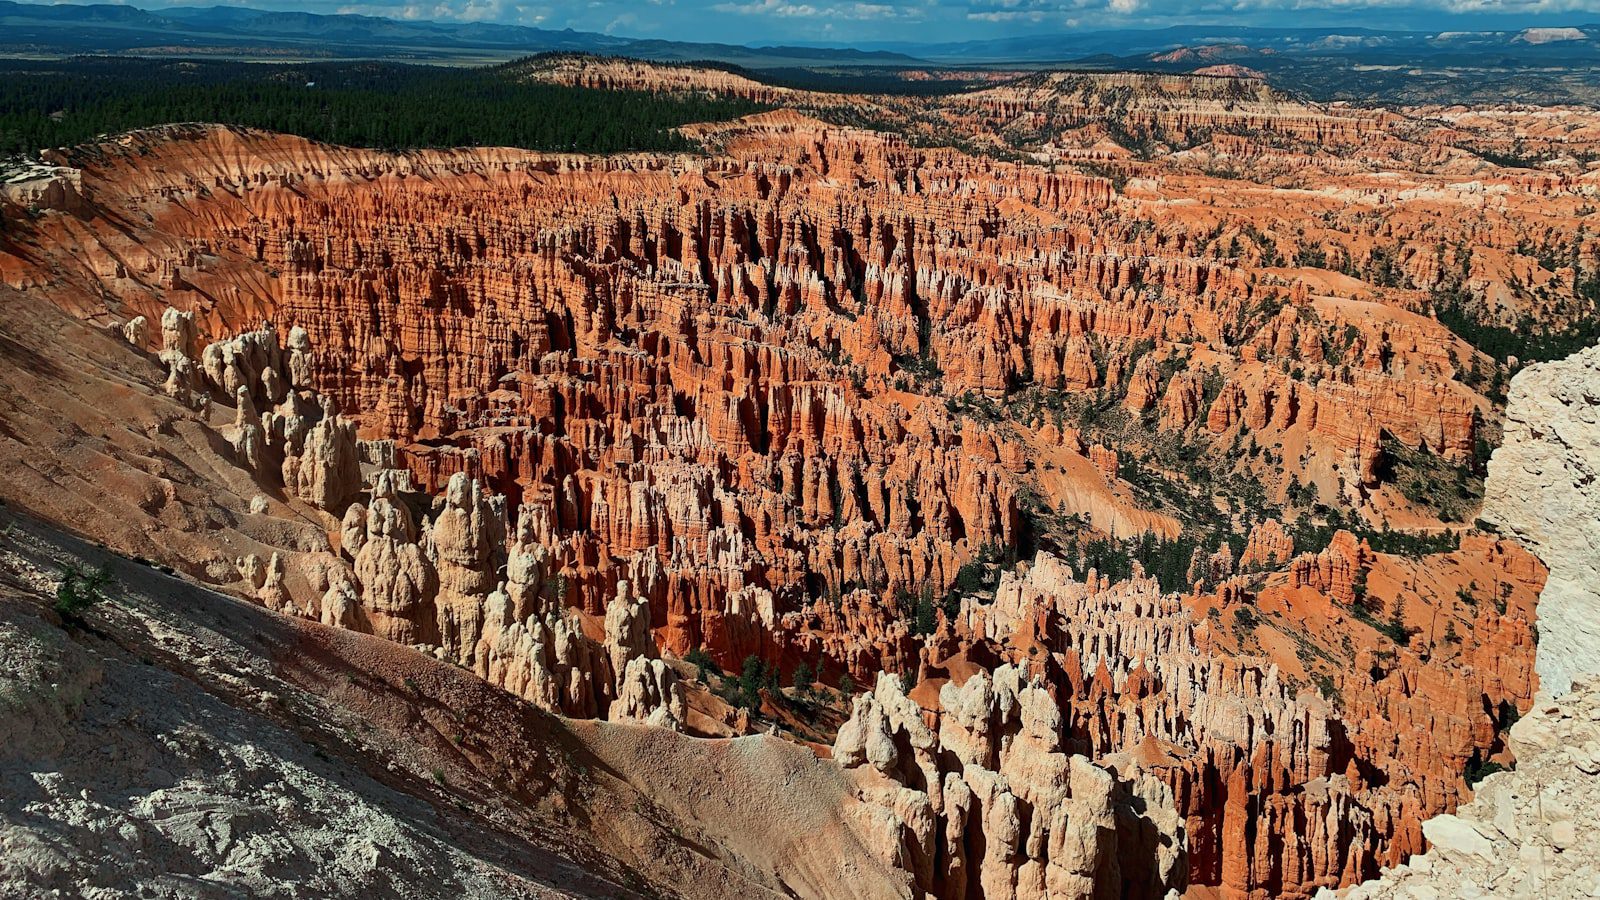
(136, 331)
(1544, 488)
(1527, 833)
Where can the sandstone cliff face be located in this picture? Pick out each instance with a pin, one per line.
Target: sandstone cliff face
(558, 420)
(1540, 490)
(1172, 106)
(583, 70)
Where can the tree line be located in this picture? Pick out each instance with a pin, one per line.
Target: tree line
(54, 103)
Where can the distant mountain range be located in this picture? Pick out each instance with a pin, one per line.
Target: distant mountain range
(237, 32)
(1413, 46)
(240, 33)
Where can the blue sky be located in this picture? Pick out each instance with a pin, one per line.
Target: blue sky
(865, 21)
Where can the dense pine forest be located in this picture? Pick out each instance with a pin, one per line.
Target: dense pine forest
(53, 103)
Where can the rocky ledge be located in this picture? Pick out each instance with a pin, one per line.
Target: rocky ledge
(1527, 833)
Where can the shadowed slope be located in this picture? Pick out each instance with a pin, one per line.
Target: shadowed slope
(184, 741)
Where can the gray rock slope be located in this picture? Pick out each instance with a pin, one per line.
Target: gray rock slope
(120, 776)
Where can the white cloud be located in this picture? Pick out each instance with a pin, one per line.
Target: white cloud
(451, 11)
(1008, 16)
(783, 9)
(868, 11)
(779, 8)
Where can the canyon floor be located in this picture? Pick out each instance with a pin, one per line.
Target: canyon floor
(1077, 485)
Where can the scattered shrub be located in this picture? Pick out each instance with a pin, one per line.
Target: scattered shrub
(803, 679)
(752, 677)
(80, 590)
(703, 663)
